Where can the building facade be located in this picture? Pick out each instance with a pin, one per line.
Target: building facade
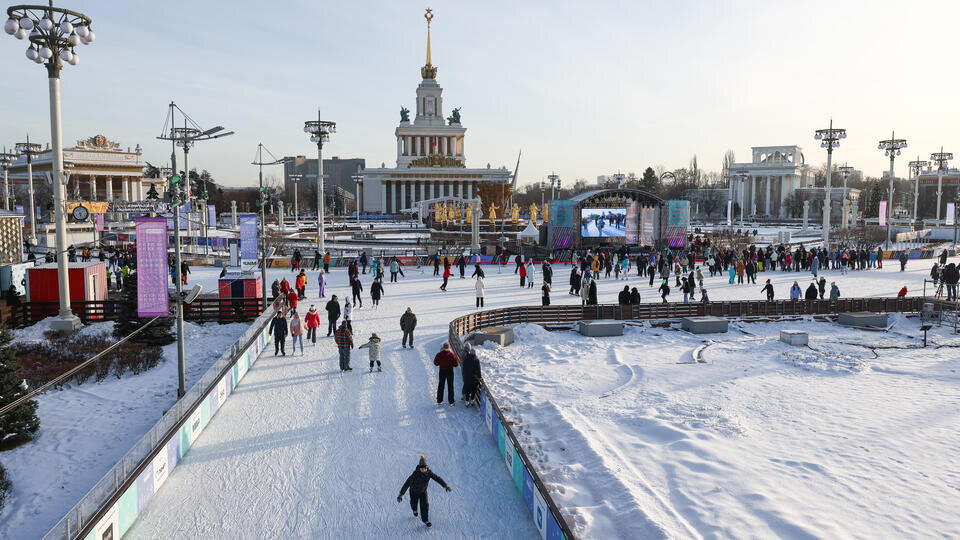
(431, 156)
(773, 174)
(339, 187)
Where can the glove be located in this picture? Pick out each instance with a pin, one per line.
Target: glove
(399, 499)
(448, 489)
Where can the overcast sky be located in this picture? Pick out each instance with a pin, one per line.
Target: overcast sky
(583, 88)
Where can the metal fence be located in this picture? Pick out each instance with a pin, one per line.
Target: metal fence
(119, 477)
(91, 311)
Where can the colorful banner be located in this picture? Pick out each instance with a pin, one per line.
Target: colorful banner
(678, 214)
(561, 214)
(883, 214)
(152, 293)
(248, 241)
(99, 220)
(633, 226)
(648, 217)
(93, 206)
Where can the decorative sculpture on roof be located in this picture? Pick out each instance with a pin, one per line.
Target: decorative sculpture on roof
(515, 213)
(468, 214)
(454, 117)
(533, 212)
(404, 114)
(98, 142)
(436, 160)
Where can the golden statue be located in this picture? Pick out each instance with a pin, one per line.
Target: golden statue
(533, 213)
(468, 214)
(492, 215)
(457, 214)
(546, 213)
(515, 213)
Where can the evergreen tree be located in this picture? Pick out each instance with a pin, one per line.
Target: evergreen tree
(152, 194)
(158, 333)
(650, 181)
(22, 422)
(873, 203)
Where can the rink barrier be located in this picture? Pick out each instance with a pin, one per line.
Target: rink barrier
(545, 512)
(110, 508)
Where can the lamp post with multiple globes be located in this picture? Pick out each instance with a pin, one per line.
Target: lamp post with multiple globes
(891, 147)
(6, 158)
(53, 35)
(915, 168)
(829, 138)
(845, 173)
(319, 131)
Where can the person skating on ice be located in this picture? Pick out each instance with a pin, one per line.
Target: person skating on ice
(373, 347)
(417, 483)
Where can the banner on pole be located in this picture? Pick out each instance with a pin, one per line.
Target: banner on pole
(211, 216)
(951, 213)
(729, 212)
(99, 219)
(248, 241)
(152, 293)
(883, 214)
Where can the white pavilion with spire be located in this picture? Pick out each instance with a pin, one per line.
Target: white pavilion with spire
(431, 160)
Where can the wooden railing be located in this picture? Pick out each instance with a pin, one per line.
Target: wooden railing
(200, 310)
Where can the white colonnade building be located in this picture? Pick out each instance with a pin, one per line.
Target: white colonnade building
(774, 173)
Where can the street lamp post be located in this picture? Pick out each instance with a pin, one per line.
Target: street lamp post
(742, 177)
(6, 158)
(320, 131)
(554, 184)
(29, 150)
(185, 138)
(940, 158)
(263, 203)
(358, 179)
(915, 168)
(829, 138)
(891, 147)
(295, 178)
(53, 34)
(845, 173)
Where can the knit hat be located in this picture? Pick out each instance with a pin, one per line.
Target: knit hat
(423, 462)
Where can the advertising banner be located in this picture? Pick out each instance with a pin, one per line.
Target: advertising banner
(561, 214)
(211, 216)
(648, 218)
(678, 214)
(152, 294)
(99, 220)
(883, 214)
(951, 213)
(633, 225)
(248, 242)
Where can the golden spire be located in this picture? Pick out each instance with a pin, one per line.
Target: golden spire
(428, 71)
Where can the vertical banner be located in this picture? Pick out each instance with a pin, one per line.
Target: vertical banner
(99, 219)
(211, 216)
(18, 208)
(729, 212)
(37, 208)
(633, 225)
(951, 213)
(152, 296)
(248, 241)
(883, 214)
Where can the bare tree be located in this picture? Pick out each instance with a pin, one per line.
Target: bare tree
(711, 201)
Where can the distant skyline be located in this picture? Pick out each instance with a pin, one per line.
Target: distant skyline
(583, 89)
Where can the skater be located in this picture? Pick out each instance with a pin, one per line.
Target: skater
(417, 482)
(624, 297)
(376, 291)
(394, 269)
(436, 264)
(312, 319)
(292, 299)
(523, 274)
(446, 276)
(333, 313)
(477, 271)
(326, 262)
(470, 370)
(574, 281)
(274, 289)
(903, 292)
(301, 285)
(834, 291)
(462, 266)
(446, 361)
(592, 293)
(547, 270)
(768, 288)
(822, 286)
(356, 287)
(530, 270)
(408, 321)
(704, 299)
(903, 261)
(373, 346)
(296, 330)
(951, 276)
(545, 292)
(519, 260)
(322, 284)
(811, 293)
(634, 296)
(795, 291)
(585, 290)
(344, 340)
(479, 287)
(664, 290)
(347, 310)
(316, 260)
(278, 329)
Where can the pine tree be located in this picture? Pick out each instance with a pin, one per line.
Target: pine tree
(22, 422)
(158, 333)
(650, 182)
(152, 194)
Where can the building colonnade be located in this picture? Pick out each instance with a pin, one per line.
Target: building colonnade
(400, 194)
(419, 145)
(764, 194)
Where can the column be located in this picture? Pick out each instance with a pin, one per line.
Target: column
(109, 188)
(125, 188)
(469, 190)
(451, 146)
(767, 204)
(443, 145)
(783, 196)
(403, 195)
(139, 189)
(399, 146)
(433, 190)
(383, 196)
(753, 194)
(93, 187)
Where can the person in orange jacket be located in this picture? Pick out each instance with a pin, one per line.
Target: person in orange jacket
(301, 285)
(326, 262)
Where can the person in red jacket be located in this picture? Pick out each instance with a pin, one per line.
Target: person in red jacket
(446, 361)
(523, 275)
(292, 299)
(313, 321)
(902, 293)
(446, 276)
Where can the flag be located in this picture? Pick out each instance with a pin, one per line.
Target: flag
(883, 214)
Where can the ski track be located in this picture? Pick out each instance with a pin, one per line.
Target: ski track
(303, 451)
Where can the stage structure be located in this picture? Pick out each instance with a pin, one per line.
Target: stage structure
(615, 217)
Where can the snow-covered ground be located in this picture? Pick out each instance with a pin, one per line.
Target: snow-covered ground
(853, 436)
(86, 429)
(301, 450)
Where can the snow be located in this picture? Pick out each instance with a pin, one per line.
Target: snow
(302, 450)
(86, 429)
(851, 437)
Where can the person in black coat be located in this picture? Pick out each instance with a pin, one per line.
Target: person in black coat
(624, 296)
(356, 287)
(592, 293)
(547, 271)
(333, 313)
(634, 296)
(462, 265)
(477, 271)
(417, 482)
(575, 281)
(470, 371)
(811, 293)
(278, 329)
(376, 291)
